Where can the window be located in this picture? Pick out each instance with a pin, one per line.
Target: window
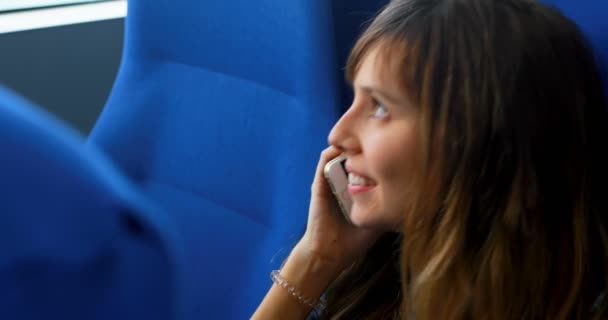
(16, 15)
(17, 5)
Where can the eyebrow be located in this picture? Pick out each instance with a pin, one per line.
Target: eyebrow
(383, 94)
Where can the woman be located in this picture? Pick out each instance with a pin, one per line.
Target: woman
(478, 132)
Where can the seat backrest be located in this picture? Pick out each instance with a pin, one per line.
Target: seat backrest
(219, 112)
(77, 240)
(231, 101)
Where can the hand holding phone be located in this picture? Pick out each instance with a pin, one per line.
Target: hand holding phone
(336, 240)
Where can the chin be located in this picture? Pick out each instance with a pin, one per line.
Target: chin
(369, 220)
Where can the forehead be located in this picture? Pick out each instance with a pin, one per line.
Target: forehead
(380, 67)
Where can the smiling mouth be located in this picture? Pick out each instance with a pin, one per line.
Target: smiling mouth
(357, 180)
(358, 184)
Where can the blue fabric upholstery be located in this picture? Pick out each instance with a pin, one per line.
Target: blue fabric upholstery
(219, 113)
(77, 241)
(591, 17)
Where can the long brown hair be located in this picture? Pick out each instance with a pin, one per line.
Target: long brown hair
(509, 219)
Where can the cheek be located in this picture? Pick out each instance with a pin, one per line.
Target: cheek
(392, 156)
(397, 180)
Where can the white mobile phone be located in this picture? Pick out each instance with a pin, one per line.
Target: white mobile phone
(337, 178)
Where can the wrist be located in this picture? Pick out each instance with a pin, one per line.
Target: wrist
(309, 272)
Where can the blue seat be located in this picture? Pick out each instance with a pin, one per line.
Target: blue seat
(77, 239)
(219, 113)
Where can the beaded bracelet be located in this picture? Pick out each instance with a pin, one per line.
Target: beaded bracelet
(275, 275)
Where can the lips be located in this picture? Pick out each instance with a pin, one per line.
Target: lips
(358, 180)
(358, 183)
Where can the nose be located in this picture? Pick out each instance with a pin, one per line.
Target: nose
(344, 135)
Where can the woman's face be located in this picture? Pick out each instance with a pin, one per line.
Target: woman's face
(379, 136)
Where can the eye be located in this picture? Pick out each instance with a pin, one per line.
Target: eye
(379, 110)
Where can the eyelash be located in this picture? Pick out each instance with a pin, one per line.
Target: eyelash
(376, 106)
